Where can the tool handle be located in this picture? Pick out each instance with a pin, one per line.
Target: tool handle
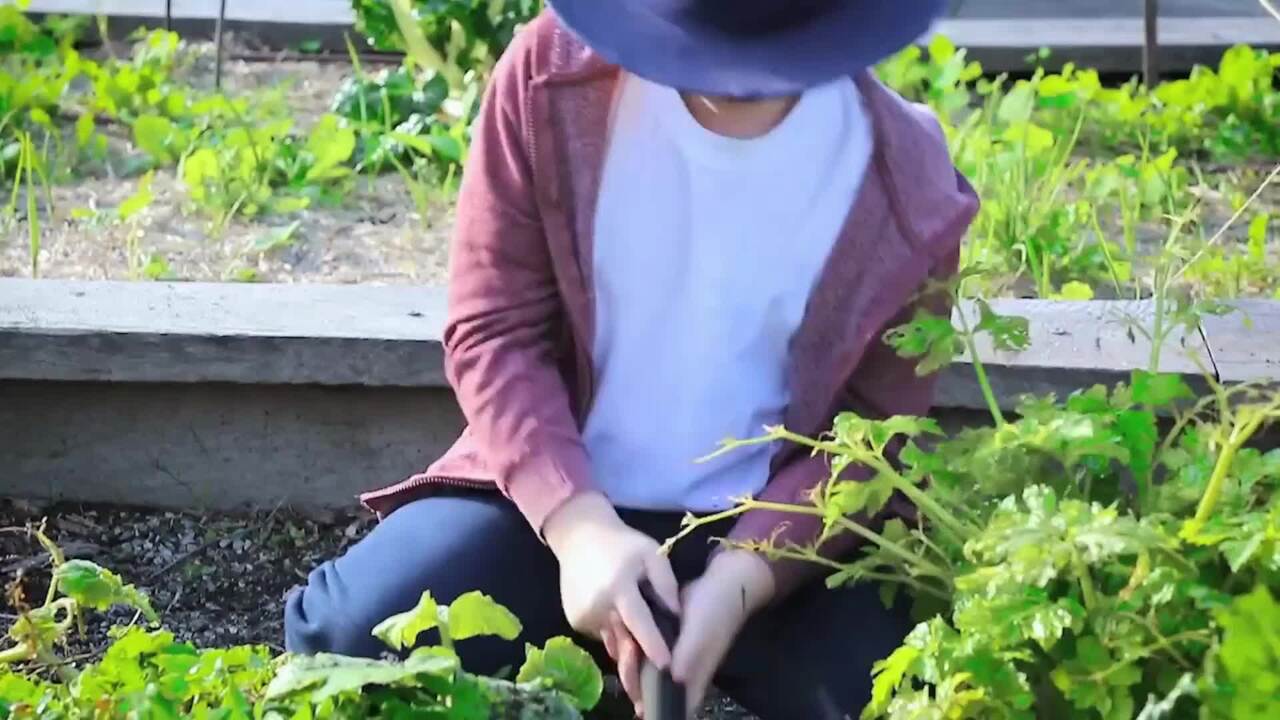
(663, 697)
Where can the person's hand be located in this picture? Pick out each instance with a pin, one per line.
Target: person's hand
(736, 584)
(602, 561)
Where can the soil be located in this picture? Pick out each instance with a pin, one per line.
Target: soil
(216, 580)
(375, 235)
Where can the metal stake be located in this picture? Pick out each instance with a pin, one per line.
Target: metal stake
(1151, 44)
(218, 45)
(168, 15)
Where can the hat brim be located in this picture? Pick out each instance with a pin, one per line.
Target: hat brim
(852, 36)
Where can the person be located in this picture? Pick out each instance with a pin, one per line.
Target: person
(681, 220)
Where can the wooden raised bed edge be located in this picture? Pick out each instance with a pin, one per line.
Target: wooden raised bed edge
(217, 396)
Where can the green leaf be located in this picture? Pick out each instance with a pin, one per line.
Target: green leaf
(1258, 237)
(276, 239)
(157, 268)
(401, 631)
(1035, 138)
(93, 586)
(323, 677)
(331, 144)
(475, 614)
(1250, 654)
(1159, 390)
(1075, 291)
(565, 667)
(1008, 332)
(1139, 435)
(140, 199)
(153, 135)
(941, 49)
(888, 675)
(84, 129)
(929, 337)
(1017, 105)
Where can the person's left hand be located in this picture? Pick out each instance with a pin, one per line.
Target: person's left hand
(714, 608)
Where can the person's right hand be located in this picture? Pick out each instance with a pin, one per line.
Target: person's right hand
(602, 561)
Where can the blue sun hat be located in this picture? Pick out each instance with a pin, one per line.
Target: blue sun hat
(746, 48)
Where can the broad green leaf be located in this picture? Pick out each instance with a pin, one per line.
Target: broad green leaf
(1035, 138)
(929, 337)
(1159, 390)
(140, 199)
(941, 49)
(1139, 435)
(888, 675)
(1017, 105)
(1250, 653)
(93, 586)
(40, 116)
(198, 168)
(157, 268)
(324, 676)
(153, 135)
(1075, 291)
(565, 667)
(401, 631)
(331, 144)
(1008, 332)
(475, 614)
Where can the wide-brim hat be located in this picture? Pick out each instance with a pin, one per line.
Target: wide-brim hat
(746, 48)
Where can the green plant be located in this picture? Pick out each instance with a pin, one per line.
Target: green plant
(247, 170)
(147, 673)
(1074, 562)
(469, 34)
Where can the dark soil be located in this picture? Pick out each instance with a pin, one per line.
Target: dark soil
(216, 580)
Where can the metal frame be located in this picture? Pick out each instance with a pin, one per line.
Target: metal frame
(218, 45)
(1151, 43)
(217, 36)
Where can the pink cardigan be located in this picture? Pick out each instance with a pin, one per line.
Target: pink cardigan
(520, 324)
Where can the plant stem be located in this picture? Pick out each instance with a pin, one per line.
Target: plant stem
(17, 653)
(924, 501)
(889, 546)
(1086, 581)
(1244, 429)
(979, 369)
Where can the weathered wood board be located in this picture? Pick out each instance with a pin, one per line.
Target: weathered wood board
(304, 12)
(1245, 345)
(1074, 345)
(199, 446)
(221, 332)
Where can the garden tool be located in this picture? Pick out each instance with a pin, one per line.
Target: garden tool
(663, 697)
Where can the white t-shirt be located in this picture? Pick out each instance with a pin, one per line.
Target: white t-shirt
(706, 251)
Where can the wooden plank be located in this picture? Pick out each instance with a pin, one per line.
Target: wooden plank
(216, 447)
(1107, 33)
(1245, 345)
(310, 12)
(1074, 345)
(221, 332)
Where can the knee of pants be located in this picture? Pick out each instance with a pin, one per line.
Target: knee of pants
(320, 618)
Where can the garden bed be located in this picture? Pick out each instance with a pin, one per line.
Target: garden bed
(217, 580)
(373, 233)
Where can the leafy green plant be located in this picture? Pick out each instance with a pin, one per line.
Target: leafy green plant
(468, 34)
(247, 170)
(147, 673)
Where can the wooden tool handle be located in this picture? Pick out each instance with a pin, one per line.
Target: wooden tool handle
(663, 697)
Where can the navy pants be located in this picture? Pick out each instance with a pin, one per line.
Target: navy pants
(806, 657)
